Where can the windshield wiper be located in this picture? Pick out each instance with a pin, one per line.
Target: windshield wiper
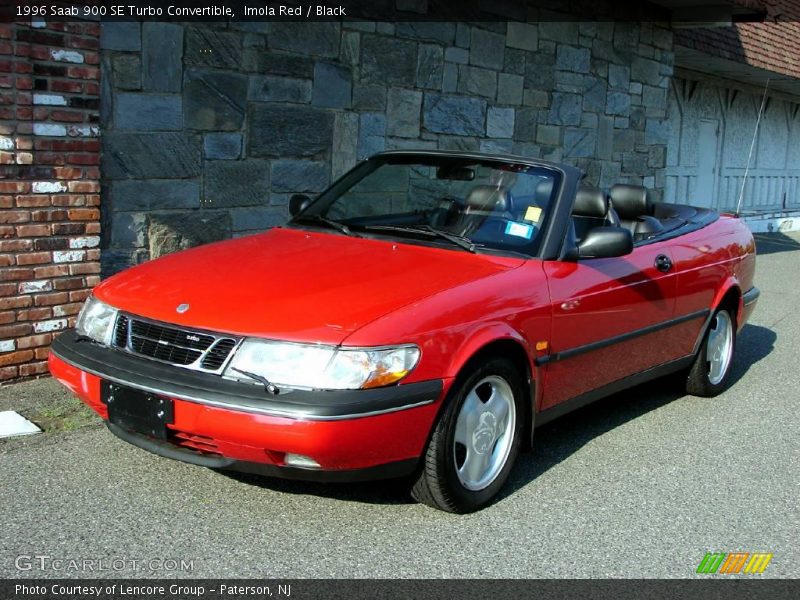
(268, 385)
(323, 220)
(459, 240)
(424, 229)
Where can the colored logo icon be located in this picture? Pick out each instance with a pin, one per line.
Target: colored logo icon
(722, 563)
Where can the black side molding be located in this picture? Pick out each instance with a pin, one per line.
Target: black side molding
(205, 388)
(621, 338)
(614, 387)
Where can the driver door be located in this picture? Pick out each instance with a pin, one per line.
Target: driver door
(610, 320)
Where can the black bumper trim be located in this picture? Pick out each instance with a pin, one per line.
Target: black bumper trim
(751, 296)
(167, 450)
(213, 390)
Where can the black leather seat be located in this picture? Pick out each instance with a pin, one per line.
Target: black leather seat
(591, 209)
(482, 201)
(543, 192)
(635, 210)
(488, 198)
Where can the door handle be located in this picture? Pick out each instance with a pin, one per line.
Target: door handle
(663, 263)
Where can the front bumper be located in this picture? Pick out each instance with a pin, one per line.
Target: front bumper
(356, 434)
(751, 296)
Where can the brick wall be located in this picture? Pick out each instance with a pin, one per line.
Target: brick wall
(772, 45)
(209, 128)
(49, 185)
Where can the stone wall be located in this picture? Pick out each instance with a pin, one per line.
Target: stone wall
(209, 128)
(49, 185)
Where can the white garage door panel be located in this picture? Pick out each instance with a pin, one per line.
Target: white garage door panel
(712, 129)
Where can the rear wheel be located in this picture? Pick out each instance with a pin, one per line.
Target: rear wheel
(710, 372)
(476, 440)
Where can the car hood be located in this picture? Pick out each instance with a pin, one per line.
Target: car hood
(292, 284)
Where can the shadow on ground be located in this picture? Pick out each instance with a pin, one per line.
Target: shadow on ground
(770, 243)
(389, 491)
(554, 442)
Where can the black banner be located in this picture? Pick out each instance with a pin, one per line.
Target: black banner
(361, 589)
(380, 10)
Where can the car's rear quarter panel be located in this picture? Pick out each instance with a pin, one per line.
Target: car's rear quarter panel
(709, 262)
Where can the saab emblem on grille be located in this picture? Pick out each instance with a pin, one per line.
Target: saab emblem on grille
(194, 338)
(182, 308)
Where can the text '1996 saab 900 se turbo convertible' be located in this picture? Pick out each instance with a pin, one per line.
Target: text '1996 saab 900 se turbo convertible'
(419, 318)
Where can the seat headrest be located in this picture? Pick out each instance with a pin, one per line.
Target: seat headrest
(590, 202)
(544, 189)
(630, 201)
(488, 198)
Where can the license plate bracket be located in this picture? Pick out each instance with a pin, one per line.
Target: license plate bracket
(137, 410)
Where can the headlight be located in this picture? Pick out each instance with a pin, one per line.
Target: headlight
(96, 321)
(321, 367)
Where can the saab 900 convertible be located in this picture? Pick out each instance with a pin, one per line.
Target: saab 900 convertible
(420, 317)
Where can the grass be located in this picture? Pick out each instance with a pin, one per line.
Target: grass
(66, 414)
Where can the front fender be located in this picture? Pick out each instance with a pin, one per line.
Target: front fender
(481, 337)
(485, 337)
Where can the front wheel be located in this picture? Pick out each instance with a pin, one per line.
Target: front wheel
(476, 441)
(710, 372)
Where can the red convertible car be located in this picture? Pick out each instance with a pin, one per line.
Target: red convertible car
(420, 317)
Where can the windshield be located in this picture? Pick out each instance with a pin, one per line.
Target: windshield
(474, 204)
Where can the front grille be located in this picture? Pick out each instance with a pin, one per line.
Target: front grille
(182, 347)
(163, 351)
(169, 336)
(216, 357)
(121, 332)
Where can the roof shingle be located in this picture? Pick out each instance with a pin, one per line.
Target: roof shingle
(773, 45)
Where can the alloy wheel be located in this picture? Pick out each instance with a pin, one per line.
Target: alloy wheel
(719, 347)
(484, 432)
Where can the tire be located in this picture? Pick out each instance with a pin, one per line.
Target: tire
(710, 372)
(474, 446)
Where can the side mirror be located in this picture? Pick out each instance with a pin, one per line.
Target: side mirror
(605, 242)
(298, 203)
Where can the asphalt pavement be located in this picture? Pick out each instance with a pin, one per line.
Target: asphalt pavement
(640, 485)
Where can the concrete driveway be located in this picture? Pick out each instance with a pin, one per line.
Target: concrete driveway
(641, 484)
